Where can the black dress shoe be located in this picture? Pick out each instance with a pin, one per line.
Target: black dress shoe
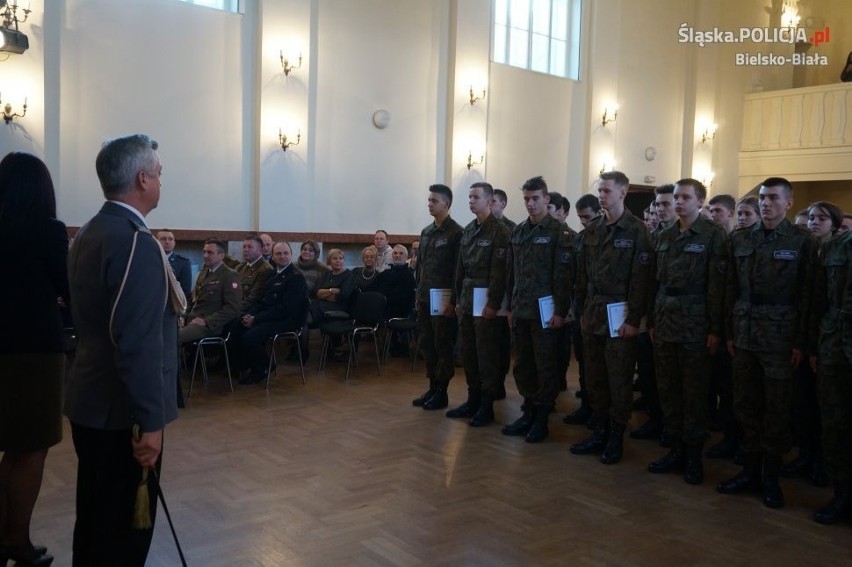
(798, 467)
(439, 400)
(467, 409)
(742, 482)
(839, 508)
(424, 397)
(579, 416)
(520, 426)
(484, 416)
(651, 429)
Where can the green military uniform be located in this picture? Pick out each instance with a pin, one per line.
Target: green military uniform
(614, 266)
(771, 285)
(438, 255)
(482, 264)
(216, 298)
(691, 268)
(833, 323)
(253, 278)
(541, 263)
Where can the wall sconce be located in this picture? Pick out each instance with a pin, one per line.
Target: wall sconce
(282, 139)
(707, 180)
(607, 166)
(8, 115)
(708, 134)
(12, 40)
(609, 115)
(471, 163)
(285, 63)
(474, 98)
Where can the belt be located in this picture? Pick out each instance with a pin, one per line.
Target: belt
(762, 299)
(679, 291)
(595, 291)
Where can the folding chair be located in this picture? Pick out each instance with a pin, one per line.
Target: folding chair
(294, 336)
(366, 319)
(199, 353)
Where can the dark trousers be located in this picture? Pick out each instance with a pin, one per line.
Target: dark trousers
(647, 371)
(107, 480)
(504, 340)
(805, 419)
(248, 345)
(480, 353)
(535, 362)
(437, 337)
(683, 374)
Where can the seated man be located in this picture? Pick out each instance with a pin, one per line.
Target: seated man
(254, 272)
(282, 308)
(216, 298)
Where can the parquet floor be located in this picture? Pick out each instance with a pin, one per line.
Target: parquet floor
(336, 473)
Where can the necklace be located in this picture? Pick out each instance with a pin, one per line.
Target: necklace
(364, 275)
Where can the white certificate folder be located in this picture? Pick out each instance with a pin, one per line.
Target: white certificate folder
(480, 300)
(545, 309)
(439, 298)
(616, 313)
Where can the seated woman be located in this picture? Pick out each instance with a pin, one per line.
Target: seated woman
(308, 264)
(364, 279)
(333, 289)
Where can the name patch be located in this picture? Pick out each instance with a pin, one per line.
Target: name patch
(785, 254)
(501, 252)
(694, 248)
(623, 243)
(485, 243)
(541, 240)
(441, 242)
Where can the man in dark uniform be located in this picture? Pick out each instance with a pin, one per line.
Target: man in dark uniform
(587, 208)
(686, 323)
(541, 273)
(498, 205)
(254, 272)
(216, 298)
(481, 269)
(439, 248)
(266, 250)
(558, 208)
(180, 265)
(771, 285)
(832, 323)
(125, 309)
(614, 267)
(282, 307)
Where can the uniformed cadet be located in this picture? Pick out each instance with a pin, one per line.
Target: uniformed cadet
(216, 297)
(558, 208)
(541, 265)
(481, 266)
(686, 324)
(587, 208)
(439, 248)
(614, 266)
(181, 266)
(832, 322)
(254, 272)
(771, 288)
(282, 307)
(498, 205)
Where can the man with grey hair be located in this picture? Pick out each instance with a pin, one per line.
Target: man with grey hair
(121, 391)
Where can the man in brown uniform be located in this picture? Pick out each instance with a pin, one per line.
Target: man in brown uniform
(686, 325)
(254, 272)
(771, 285)
(541, 264)
(481, 266)
(216, 298)
(614, 266)
(439, 248)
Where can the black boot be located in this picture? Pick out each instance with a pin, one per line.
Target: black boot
(747, 480)
(579, 416)
(724, 449)
(439, 399)
(800, 466)
(773, 497)
(522, 425)
(840, 507)
(501, 392)
(671, 461)
(485, 415)
(539, 432)
(614, 449)
(694, 470)
(651, 429)
(594, 443)
(818, 476)
(418, 402)
(468, 408)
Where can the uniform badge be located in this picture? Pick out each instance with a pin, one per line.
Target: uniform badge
(484, 243)
(644, 257)
(623, 243)
(694, 248)
(541, 240)
(785, 255)
(501, 252)
(440, 243)
(565, 257)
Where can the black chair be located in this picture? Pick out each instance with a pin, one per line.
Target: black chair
(295, 337)
(401, 326)
(367, 316)
(199, 353)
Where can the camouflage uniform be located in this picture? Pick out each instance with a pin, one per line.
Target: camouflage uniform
(614, 266)
(771, 289)
(504, 333)
(253, 278)
(482, 263)
(691, 268)
(216, 298)
(832, 320)
(541, 263)
(439, 248)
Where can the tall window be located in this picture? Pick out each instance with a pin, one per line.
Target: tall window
(226, 5)
(540, 35)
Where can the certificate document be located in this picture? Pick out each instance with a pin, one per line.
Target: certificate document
(439, 298)
(616, 313)
(545, 309)
(480, 300)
